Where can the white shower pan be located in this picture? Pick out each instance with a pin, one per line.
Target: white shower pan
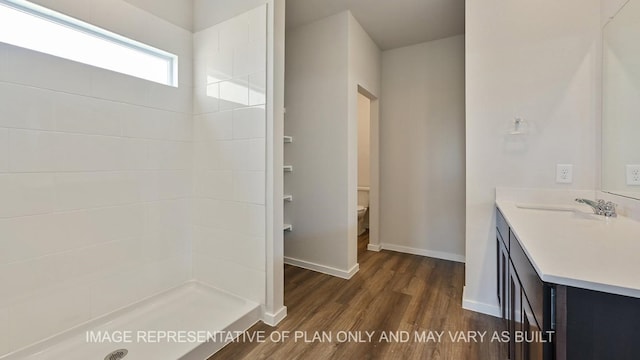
(192, 307)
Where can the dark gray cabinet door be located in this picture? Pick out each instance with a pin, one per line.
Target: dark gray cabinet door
(532, 341)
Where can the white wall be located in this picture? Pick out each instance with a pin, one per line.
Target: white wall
(364, 144)
(326, 61)
(538, 60)
(365, 61)
(422, 149)
(274, 310)
(178, 12)
(316, 102)
(230, 153)
(95, 180)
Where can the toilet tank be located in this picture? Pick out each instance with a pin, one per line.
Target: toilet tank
(363, 196)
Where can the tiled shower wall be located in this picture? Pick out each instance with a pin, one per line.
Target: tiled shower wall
(95, 181)
(230, 125)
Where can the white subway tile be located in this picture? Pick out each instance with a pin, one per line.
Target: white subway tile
(249, 123)
(89, 227)
(258, 88)
(25, 194)
(26, 107)
(47, 314)
(79, 114)
(119, 87)
(169, 155)
(165, 184)
(24, 279)
(249, 58)
(234, 93)
(167, 230)
(4, 150)
(164, 274)
(3, 59)
(214, 126)
(206, 98)
(114, 290)
(215, 184)
(217, 155)
(4, 331)
(78, 152)
(249, 186)
(231, 277)
(232, 246)
(209, 63)
(31, 151)
(219, 214)
(254, 219)
(258, 24)
(234, 32)
(97, 260)
(158, 124)
(219, 66)
(86, 190)
(33, 236)
(134, 153)
(248, 219)
(205, 42)
(249, 154)
(170, 98)
(46, 71)
(48, 151)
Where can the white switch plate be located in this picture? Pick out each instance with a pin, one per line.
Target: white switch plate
(564, 173)
(633, 175)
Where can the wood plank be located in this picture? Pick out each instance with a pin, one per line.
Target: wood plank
(391, 292)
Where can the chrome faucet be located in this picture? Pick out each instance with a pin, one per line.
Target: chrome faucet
(600, 207)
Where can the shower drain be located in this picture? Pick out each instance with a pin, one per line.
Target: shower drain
(117, 355)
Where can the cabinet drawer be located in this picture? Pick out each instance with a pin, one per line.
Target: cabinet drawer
(532, 286)
(503, 228)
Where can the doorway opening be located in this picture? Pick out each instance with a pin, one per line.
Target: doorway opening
(367, 172)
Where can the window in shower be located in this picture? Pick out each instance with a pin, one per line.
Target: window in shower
(34, 27)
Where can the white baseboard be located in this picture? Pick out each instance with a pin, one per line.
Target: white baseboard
(484, 308)
(273, 319)
(374, 247)
(422, 252)
(348, 274)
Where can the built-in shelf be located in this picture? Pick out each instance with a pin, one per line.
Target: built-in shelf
(288, 198)
(288, 139)
(288, 168)
(288, 227)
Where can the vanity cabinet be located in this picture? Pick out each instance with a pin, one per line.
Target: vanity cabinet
(526, 302)
(502, 267)
(548, 321)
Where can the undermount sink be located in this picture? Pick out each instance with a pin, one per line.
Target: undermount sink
(576, 211)
(547, 207)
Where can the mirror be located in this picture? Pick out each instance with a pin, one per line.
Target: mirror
(621, 103)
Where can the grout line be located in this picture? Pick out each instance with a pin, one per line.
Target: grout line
(92, 97)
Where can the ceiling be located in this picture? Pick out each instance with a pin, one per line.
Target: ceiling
(390, 23)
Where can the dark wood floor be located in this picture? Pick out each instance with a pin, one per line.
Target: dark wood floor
(392, 292)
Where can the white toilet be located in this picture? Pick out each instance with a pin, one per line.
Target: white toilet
(363, 209)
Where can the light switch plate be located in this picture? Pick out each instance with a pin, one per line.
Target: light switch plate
(633, 175)
(564, 173)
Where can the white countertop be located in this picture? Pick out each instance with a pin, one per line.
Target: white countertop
(579, 249)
